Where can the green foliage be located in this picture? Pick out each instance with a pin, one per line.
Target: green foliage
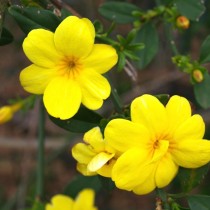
(149, 37)
(29, 18)
(192, 9)
(120, 12)
(202, 90)
(204, 51)
(6, 37)
(191, 178)
(199, 202)
(83, 121)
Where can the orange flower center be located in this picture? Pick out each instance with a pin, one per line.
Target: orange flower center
(69, 67)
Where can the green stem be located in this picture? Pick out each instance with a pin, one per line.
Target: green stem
(116, 100)
(40, 158)
(164, 198)
(115, 97)
(169, 35)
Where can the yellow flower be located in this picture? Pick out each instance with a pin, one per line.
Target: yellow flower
(84, 200)
(7, 112)
(67, 67)
(155, 143)
(94, 156)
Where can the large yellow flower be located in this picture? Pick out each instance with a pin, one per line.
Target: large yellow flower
(67, 67)
(85, 200)
(155, 143)
(94, 156)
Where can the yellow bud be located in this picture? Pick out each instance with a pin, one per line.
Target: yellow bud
(7, 112)
(197, 75)
(182, 22)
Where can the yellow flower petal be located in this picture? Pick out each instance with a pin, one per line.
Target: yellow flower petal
(62, 98)
(178, 110)
(148, 110)
(191, 153)
(35, 79)
(106, 170)
(90, 26)
(192, 128)
(40, 49)
(59, 202)
(74, 37)
(123, 134)
(99, 161)
(166, 171)
(101, 59)
(82, 168)
(94, 88)
(95, 139)
(95, 83)
(82, 153)
(90, 101)
(147, 186)
(132, 168)
(85, 200)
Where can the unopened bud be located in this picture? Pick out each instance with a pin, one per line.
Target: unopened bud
(7, 112)
(197, 75)
(182, 22)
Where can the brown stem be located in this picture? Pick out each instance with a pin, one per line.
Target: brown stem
(60, 4)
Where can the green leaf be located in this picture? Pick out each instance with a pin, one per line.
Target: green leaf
(199, 202)
(190, 178)
(205, 53)
(192, 9)
(163, 98)
(149, 37)
(121, 61)
(202, 91)
(83, 121)
(120, 12)
(81, 182)
(6, 37)
(29, 18)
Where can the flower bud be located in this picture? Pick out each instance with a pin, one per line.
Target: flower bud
(7, 112)
(182, 22)
(197, 75)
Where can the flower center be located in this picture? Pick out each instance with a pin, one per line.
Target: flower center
(70, 67)
(156, 144)
(72, 64)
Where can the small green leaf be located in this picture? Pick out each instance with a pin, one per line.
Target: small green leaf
(6, 37)
(149, 37)
(120, 12)
(192, 9)
(65, 13)
(121, 61)
(190, 178)
(205, 53)
(163, 98)
(199, 202)
(83, 121)
(81, 182)
(30, 18)
(202, 91)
